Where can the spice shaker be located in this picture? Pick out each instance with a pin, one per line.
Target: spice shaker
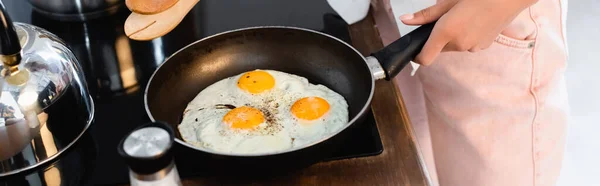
(147, 151)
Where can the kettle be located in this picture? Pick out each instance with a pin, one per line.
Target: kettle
(45, 106)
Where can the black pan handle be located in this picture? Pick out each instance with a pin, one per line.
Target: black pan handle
(394, 57)
(9, 42)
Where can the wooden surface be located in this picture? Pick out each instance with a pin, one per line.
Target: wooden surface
(399, 164)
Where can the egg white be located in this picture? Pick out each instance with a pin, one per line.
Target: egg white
(202, 124)
(305, 131)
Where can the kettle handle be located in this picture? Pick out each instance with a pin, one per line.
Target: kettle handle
(10, 47)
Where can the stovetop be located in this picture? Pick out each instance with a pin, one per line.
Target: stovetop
(117, 70)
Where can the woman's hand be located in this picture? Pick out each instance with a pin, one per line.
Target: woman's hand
(464, 25)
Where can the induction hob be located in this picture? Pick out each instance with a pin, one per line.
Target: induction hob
(117, 70)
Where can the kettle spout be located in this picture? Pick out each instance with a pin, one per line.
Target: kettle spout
(10, 50)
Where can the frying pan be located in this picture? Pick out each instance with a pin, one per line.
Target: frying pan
(321, 58)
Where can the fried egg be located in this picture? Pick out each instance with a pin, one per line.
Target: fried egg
(262, 111)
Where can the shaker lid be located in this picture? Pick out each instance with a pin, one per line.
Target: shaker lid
(147, 149)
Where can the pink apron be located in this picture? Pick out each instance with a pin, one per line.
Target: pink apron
(495, 117)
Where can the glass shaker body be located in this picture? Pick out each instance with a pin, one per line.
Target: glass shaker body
(147, 150)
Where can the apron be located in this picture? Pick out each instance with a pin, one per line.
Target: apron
(497, 116)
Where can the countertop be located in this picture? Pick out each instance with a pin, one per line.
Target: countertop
(117, 70)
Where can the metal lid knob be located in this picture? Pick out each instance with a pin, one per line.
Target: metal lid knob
(147, 149)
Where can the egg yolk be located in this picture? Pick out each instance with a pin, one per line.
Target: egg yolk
(256, 81)
(243, 118)
(310, 108)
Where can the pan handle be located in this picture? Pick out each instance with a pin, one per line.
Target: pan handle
(394, 57)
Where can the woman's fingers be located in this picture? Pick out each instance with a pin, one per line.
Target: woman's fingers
(432, 48)
(438, 40)
(428, 14)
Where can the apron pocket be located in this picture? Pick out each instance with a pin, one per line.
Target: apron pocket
(514, 43)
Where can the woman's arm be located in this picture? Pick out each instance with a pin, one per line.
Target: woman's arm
(464, 25)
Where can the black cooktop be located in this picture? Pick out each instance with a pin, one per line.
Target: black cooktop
(117, 70)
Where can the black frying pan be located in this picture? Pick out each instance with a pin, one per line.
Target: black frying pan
(321, 58)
